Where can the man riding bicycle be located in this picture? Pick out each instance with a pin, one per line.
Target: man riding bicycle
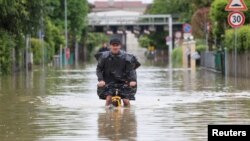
(116, 67)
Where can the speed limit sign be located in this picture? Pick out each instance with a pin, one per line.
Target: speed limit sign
(236, 19)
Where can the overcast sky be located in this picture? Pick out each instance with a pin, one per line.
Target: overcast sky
(146, 1)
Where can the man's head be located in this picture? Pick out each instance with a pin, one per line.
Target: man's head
(115, 45)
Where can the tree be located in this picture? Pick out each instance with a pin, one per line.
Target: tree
(178, 8)
(6, 45)
(200, 21)
(182, 9)
(77, 12)
(218, 16)
(144, 41)
(18, 18)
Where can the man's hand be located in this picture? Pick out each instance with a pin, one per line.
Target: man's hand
(101, 84)
(132, 84)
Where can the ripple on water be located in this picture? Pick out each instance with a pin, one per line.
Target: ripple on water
(174, 106)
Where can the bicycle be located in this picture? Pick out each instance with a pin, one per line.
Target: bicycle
(116, 100)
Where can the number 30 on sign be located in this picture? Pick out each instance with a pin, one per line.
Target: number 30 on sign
(236, 19)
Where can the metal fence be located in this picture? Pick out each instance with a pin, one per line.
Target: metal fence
(213, 60)
(227, 63)
(241, 67)
(208, 60)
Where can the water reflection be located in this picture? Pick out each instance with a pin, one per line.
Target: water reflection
(117, 124)
(171, 105)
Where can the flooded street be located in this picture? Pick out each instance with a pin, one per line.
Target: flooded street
(172, 105)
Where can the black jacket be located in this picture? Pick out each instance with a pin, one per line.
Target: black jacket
(103, 49)
(116, 68)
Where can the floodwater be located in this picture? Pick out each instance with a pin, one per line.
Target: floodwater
(171, 105)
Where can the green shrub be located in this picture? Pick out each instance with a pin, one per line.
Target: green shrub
(53, 36)
(144, 41)
(36, 48)
(243, 39)
(6, 45)
(177, 57)
(200, 48)
(95, 40)
(218, 16)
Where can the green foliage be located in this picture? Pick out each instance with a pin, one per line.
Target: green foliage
(6, 46)
(201, 48)
(197, 4)
(96, 40)
(78, 10)
(177, 57)
(243, 40)
(53, 36)
(158, 39)
(37, 50)
(176, 7)
(144, 41)
(200, 45)
(181, 8)
(19, 18)
(218, 16)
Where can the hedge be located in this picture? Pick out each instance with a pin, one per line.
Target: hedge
(36, 48)
(6, 45)
(177, 57)
(243, 39)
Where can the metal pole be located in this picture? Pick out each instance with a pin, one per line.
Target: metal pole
(170, 49)
(66, 30)
(43, 51)
(206, 31)
(235, 55)
(42, 39)
(76, 53)
(42, 46)
(170, 53)
(61, 56)
(226, 62)
(26, 53)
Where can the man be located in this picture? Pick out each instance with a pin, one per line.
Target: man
(116, 67)
(104, 48)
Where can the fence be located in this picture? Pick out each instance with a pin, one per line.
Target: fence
(242, 66)
(225, 63)
(207, 60)
(213, 60)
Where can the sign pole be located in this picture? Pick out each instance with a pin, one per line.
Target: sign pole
(235, 52)
(170, 47)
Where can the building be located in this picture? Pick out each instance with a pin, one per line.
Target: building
(111, 5)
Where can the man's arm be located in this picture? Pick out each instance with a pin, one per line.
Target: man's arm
(131, 65)
(100, 68)
(131, 72)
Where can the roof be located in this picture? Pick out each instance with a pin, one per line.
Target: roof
(119, 4)
(115, 13)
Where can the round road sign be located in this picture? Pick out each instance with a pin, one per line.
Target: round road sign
(178, 34)
(236, 19)
(187, 28)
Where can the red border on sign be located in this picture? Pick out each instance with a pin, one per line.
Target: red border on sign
(231, 24)
(236, 9)
(186, 24)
